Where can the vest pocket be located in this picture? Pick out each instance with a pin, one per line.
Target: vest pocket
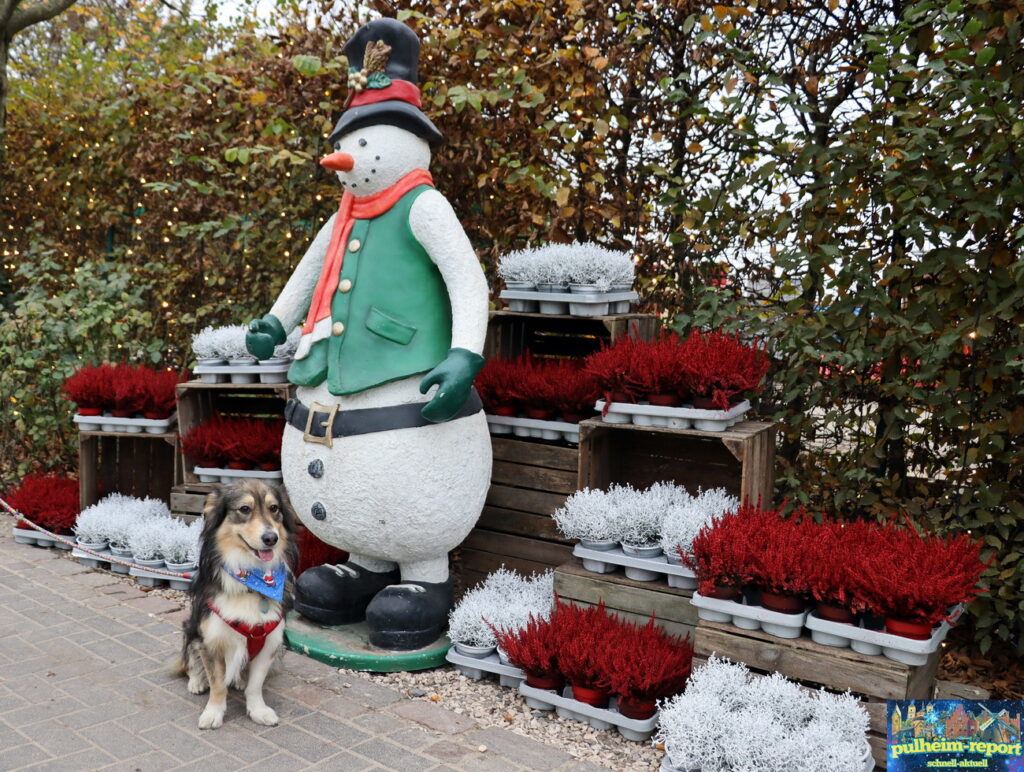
(388, 327)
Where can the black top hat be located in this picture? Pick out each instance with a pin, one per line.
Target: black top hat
(383, 83)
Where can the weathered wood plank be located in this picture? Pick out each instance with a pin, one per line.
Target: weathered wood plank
(524, 500)
(535, 454)
(668, 625)
(620, 592)
(520, 524)
(533, 477)
(953, 690)
(517, 547)
(483, 563)
(187, 502)
(802, 659)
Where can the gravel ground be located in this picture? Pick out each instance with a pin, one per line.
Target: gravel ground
(492, 705)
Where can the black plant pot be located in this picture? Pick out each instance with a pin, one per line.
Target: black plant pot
(752, 595)
(872, 621)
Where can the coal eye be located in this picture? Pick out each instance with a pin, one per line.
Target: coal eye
(245, 510)
(362, 143)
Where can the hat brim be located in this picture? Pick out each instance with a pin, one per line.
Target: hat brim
(393, 112)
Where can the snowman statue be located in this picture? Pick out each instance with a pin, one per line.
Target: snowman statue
(386, 452)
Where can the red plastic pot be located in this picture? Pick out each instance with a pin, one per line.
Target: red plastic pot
(636, 707)
(157, 415)
(270, 466)
(90, 411)
(572, 418)
(782, 603)
(919, 631)
(540, 413)
(506, 410)
(551, 681)
(664, 400)
(725, 592)
(122, 413)
(239, 465)
(590, 695)
(704, 403)
(621, 396)
(834, 613)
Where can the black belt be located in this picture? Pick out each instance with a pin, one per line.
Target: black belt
(311, 421)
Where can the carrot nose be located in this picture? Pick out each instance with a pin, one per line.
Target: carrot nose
(338, 162)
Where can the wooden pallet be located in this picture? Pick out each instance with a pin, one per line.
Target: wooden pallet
(740, 459)
(631, 600)
(197, 401)
(510, 333)
(529, 481)
(133, 464)
(874, 678)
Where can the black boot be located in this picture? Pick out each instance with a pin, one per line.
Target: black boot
(339, 595)
(409, 615)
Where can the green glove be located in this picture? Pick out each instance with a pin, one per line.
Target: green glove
(263, 335)
(453, 378)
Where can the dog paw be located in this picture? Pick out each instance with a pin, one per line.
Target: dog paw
(264, 715)
(239, 683)
(197, 686)
(211, 719)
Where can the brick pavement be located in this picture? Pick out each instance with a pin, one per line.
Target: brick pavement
(85, 685)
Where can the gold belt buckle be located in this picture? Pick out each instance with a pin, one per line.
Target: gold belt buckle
(328, 424)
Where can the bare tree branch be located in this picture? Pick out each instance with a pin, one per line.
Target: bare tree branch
(27, 16)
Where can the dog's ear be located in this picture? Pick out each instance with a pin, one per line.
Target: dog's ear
(214, 510)
(288, 516)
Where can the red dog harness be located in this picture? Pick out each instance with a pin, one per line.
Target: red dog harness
(255, 635)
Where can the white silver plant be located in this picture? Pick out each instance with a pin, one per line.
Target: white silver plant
(686, 515)
(520, 266)
(177, 544)
(640, 513)
(121, 513)
(146, 537)
(504, 599)
(229, 341)
(467, 622)
(588, 515)
(287, 349)
(195, 529)
(576, 263)
(94, 524)
(730, 720)
(204, 343)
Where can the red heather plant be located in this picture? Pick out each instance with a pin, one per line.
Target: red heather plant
(720, 554)
(574, 389)
(838, 555)
(647, 663)
(203, 443)
(587, 649)
(658, 370)
(916, 578)
(130, 388)
(533, 647)
(50, 501)
(720, 367)
(90, 387)
(783, 552)
(158, 388)
(261, 443)
(497, 381)
(614, 368)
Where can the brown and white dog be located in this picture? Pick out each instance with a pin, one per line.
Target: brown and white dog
(248, 536)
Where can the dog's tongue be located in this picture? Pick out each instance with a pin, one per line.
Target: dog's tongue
(265, 555)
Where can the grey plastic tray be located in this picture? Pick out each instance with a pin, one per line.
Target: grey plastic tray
(874, 642)
(107, 423)
(639, 569)
(641, 414)
(276, 372)
(572, 303)
(749, 617)
(216, 474)
(476, 668)
(534, 427)
(638, 730)
(39, 539)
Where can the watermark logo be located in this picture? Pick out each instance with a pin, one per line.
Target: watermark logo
(955, 734)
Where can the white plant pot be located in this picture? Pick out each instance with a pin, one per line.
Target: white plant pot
(520, 285)
(180, 568)
(547, 287)
(602, 545)
(153, 563)
(204, 361)
(641, 550)
(476, 652)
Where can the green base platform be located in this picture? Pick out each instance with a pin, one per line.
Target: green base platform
(348, 646)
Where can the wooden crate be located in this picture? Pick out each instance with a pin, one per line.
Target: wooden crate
(740, 459)
(187, 498)
(133, 464)
(510, 333)
(197, 401)
(529, 481)
(631, 600)
(873, 678)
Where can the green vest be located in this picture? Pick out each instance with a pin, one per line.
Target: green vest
(397, 317)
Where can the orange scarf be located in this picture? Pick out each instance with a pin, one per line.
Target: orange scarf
(352, 209)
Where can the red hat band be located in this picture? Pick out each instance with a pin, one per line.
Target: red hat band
(402, 90)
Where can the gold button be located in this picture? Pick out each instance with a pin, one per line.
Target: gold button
(337, 328)
(354, 245)
(345, 285)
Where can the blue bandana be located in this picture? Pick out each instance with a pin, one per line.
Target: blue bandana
(264, 582)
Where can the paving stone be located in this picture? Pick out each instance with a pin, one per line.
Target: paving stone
(412, 737)
(583, 766)
(390, 755)
(100, 602)
(9, 737)
(279, 762)
(345, 762)
(92, 716)
(153, 604)
(33, 714)
(116, 740)
(370, 694)
(341, 732)
(220, 762)
(433, 716)
(487, 762)
(237, 740)
(67, 567)
(90, 758)
(448, 751)
(305, 745)
(153, 761)
(183, 746)
(96, 579)
(21, 756)
(529, 753)
(123, 590)
(342, 707)
(308, 694)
